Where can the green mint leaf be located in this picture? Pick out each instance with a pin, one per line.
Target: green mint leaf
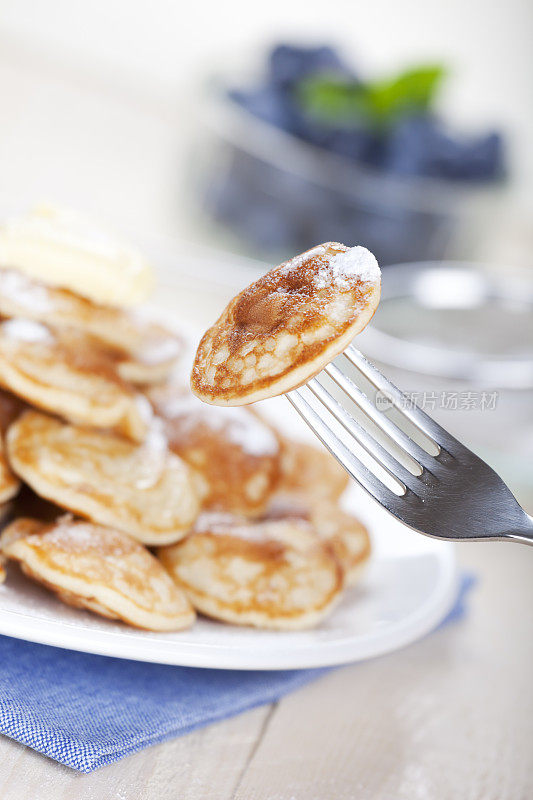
(378, 103)
(411, 91)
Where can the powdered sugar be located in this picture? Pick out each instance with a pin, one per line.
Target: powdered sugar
(20, 289)
(297, 261)
(25, 330)
(239, 426)
(78, 537)
(354, 265)
(216, 521)
(151, 458)
(340, 271)
(67, 533)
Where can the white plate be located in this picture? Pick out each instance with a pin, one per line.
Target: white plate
(410, 586)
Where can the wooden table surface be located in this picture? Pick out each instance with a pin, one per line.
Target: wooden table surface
(448, 718)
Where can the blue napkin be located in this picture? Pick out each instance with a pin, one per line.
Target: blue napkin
(87, 711)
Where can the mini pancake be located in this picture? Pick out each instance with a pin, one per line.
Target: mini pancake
(62, 372)
(311, 471)
(345, 534)
(141, 489)
(236, 453)
(101, 569)
(274, 574)
(144, 351)
(284, 328)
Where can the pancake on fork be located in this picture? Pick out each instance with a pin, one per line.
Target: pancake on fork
(143, 350)
(273, 574)
(235, 451)
(141, 489)
(101, 569)
(61, 371)
(345, 534)
(284, 328)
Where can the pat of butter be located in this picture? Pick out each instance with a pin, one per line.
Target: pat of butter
(62, 248)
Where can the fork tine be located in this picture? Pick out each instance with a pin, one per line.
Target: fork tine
(382, 456)
(385, 496)
(413, 413)
(425, 460)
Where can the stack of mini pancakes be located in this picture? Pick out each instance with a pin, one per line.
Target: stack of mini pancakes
(129, 497)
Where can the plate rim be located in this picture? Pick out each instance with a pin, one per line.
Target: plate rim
(415, 626)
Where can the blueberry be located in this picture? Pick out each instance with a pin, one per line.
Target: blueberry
(357, 144)
(421, 146)
(410, 147)
(290, 64)
(479, 159)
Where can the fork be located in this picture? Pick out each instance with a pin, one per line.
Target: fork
(451, 494)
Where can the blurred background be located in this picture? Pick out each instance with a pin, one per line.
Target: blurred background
(262, 130)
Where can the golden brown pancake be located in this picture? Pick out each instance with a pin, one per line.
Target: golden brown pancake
(311, 471)
(345, 534)
(101, 569)
(144, 351)
(273, 574)
(62, 372)
(141, 489)
(235, 451)
(284, 328)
